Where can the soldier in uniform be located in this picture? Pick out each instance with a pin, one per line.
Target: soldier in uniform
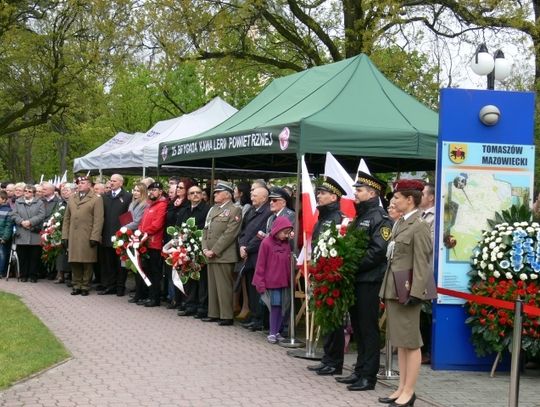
(371, 217)
(81, 233)
(220, 232)
(329, 194)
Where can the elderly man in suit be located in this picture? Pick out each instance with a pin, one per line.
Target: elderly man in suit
(81, 233)
(220, 232)
(115, 203)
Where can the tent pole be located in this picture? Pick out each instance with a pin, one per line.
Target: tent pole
(212, 180)
(292, 342)
(143, 172)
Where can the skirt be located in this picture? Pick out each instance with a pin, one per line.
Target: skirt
(403, 325)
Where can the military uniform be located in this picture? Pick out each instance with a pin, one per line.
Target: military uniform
(221, 229)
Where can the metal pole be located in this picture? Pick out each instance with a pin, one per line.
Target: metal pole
(386, 372)
(292, 342)
(516, 351)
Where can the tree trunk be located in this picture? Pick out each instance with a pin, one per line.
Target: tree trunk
(352, 22)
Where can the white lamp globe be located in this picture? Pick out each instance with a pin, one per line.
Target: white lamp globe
(482, 63)
(503, 68)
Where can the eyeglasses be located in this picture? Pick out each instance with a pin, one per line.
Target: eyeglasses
(195, 192)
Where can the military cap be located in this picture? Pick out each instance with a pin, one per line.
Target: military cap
(81, 178)
(329, 184)
(278, 193)
(364, 179)
(155, 184)
(224, 186)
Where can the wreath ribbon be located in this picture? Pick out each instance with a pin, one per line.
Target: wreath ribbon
(134, 255)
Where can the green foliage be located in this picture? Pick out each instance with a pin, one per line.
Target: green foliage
(26, 345)
(513, 214)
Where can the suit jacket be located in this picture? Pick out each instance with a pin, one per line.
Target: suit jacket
(83, 221)
(412, 250)
(220, 232)
(112, 209)
(254, 221)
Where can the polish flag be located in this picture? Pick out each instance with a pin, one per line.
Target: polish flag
(333, 168)
(309, 213)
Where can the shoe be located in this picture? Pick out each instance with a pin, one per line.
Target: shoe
(69, 284)
(362, 384)
(426, 359)
(76, 292)
(198, 316)
(143, 302)
(256, 327)
(210, 319)
(151, 304)
(33, 280)
(409, 403)
(247, 325)
(120, 292)
(242, 316)
(352, 378)
(24, 280)
(133, 300)
(272, 339)
(225, 322)
(108, 291)
(171, 305)
(329, 371)
(84, 293)
(314, 368)
(387, 400)
(186, 313)
(279, 337)
(58, 281)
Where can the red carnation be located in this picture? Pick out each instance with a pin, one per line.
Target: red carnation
(324, 289)
(318, 303)
(330, 301)
(142, 249)
(118, 233)
(335, 293)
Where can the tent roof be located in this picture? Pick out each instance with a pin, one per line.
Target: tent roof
(142, 151)
(348, 108)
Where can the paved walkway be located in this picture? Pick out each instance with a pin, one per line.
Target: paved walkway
(125, 355)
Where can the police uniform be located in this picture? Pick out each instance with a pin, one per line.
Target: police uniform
(221, 229)
(334, 342)
(371, 217)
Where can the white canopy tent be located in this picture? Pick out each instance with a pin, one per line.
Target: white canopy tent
(140, 153)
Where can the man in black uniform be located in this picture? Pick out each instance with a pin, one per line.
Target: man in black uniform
(329, 194)
(371, 217)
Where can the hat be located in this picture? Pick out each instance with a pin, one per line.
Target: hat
(365, 179)
(224, 186)
(81, 178)
(329, 184)
(155, 184)
(279, 193)
(409, 185)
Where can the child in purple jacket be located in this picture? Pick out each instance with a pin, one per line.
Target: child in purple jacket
(272, 274)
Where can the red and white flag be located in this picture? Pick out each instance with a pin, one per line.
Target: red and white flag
(333, 168)
(309, 212)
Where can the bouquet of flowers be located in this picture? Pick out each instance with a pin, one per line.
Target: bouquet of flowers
(332, 273)
(505, 266)
(51, 236)
(184, 251)
(126, 238)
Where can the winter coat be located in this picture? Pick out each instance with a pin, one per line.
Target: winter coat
(153, 222)
(83, 221)
(112, 209)
(198, 212)
(35, 213)
(51, 206)
(6, 222)
(273, 269)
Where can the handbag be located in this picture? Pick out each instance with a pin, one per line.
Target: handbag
(125, 218)
(403, 281)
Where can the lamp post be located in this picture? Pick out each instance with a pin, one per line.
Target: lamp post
(494, 66)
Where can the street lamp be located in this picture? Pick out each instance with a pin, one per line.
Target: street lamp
(494, 66)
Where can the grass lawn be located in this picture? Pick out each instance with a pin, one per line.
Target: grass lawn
(26, 345)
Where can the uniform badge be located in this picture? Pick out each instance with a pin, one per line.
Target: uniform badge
(226, 212)
(386, 233)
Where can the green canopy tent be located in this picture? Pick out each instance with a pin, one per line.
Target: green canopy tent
(348, 108)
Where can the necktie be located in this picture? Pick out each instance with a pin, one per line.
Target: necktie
(113, 194)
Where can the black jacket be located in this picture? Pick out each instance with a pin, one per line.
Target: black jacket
(112, 209)
(254, 221)
(328, 214)
(198, 212)
(374, 219)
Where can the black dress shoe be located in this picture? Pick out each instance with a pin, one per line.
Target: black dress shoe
(120, 292)
(225, 322)
(329, 371)
(409, 403)
(76, 292)
(33, 280)
(133, 300)
(210, 319)
(151, 304)
(198, 316)
(143, 302)
(352, 378)
(387, 400)
(185, 313)
(247, 325)
(314, 368)
(108, 291)
(84, 293)
(256, 327)
(363, 384)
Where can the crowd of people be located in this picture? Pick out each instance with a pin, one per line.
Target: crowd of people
(247, 245)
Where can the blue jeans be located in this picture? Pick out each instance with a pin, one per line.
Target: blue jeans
(4, 257)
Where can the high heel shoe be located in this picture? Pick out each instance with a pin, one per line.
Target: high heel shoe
(387, 400)
(409, 403)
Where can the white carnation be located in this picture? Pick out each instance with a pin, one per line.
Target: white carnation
(195, 247)
(530, 230)
(57, 224)
(123, 229)
(137, 233)
(500, 255)
(490, 267)
(508, 275)
(492, 245)
(534, 276)
(113, 239)
(120, 242)
(483, 265)
(523, 276)
(496, 274)
(331, 241)
(57, 214)
(498, 240)
(333, 252)
(485, 256)
(524, 224)
(535, 224)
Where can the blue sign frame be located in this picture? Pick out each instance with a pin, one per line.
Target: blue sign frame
(459, 122)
